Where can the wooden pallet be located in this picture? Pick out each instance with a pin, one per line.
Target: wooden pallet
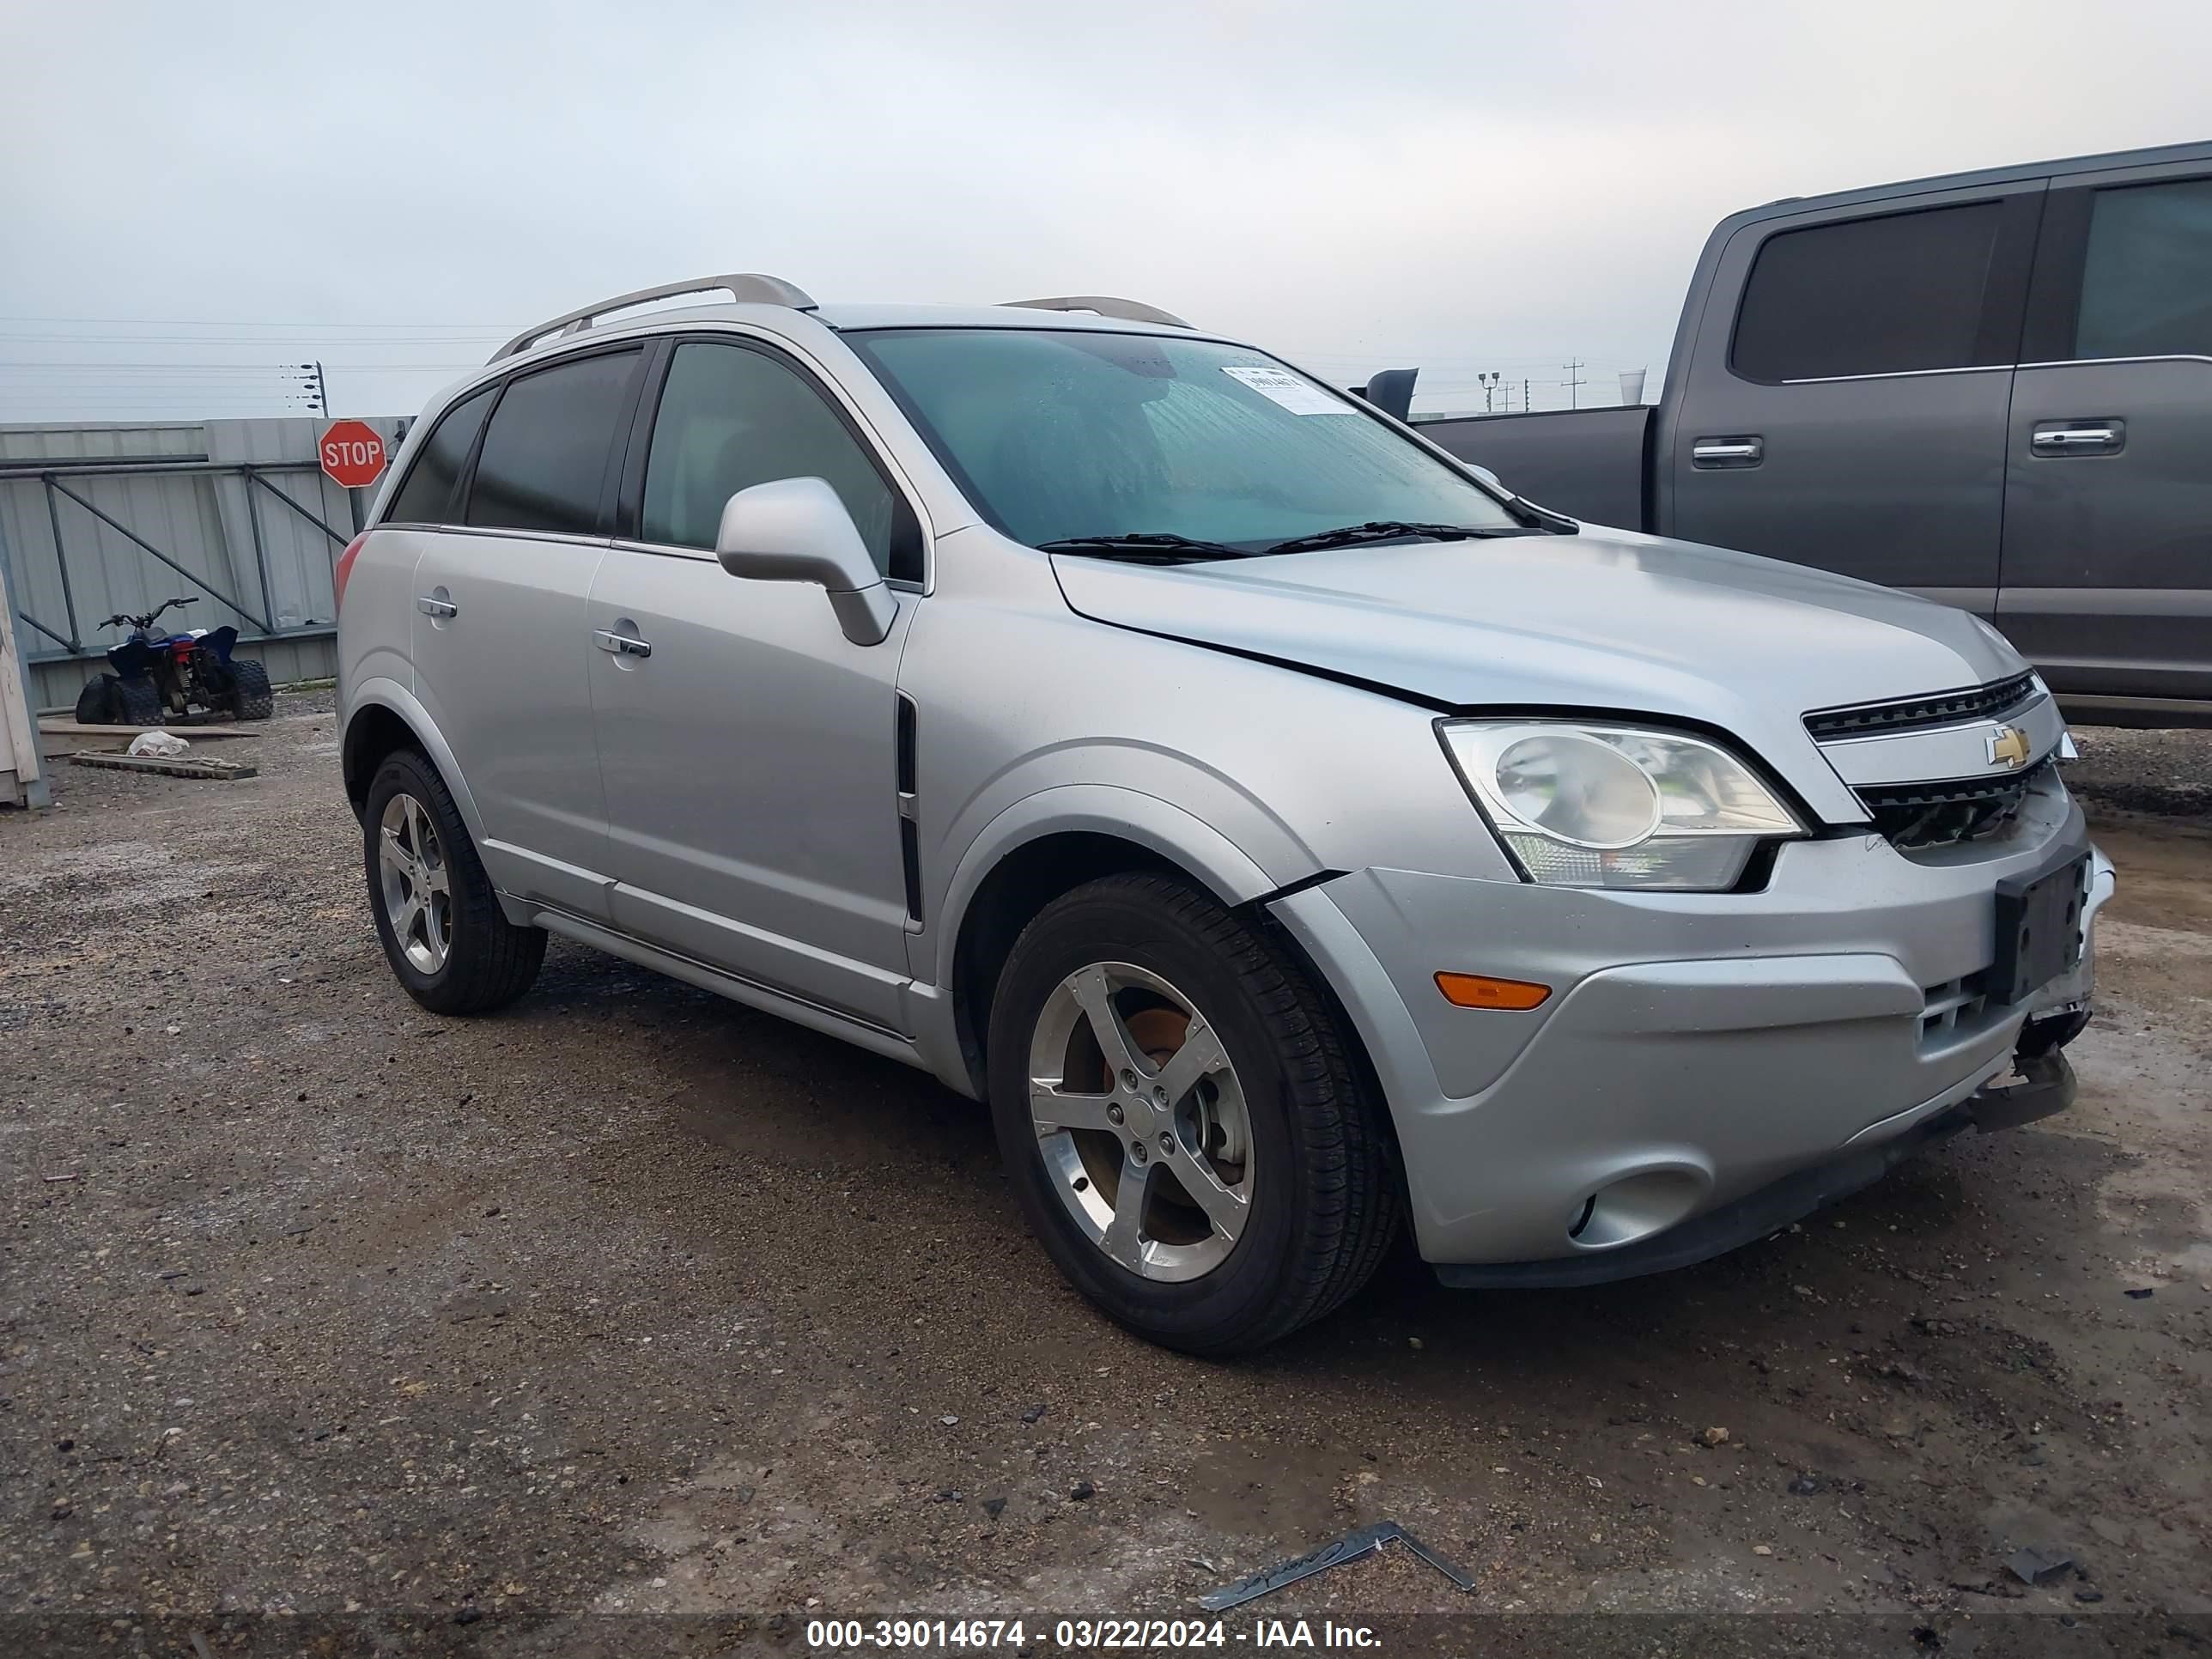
(181, 765)
(69, 728)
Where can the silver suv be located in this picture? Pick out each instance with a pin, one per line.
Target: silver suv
(1291, 834)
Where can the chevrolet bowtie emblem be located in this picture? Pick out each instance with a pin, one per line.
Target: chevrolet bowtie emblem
(2008, 746)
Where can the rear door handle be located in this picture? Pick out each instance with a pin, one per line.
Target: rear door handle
(622, 645)
(1747, 451)
(433, 607)
(2078, 437)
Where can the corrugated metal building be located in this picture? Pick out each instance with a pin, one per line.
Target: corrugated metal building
(100, 518)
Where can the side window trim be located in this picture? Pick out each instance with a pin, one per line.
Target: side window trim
(454, 494)
(2054, 294)
(465, 487)
(466, 482)
(2012, 266)
(2005, 290)
(637, 444)
(2051, 337)
(629, 513)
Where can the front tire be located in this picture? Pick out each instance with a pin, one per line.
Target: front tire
(1182, 1120)
(439, 919)
(250, 697)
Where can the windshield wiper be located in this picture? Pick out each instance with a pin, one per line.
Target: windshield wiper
(1151, 546)
(1386, 530)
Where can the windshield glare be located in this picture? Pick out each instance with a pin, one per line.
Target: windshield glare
(1057, 433)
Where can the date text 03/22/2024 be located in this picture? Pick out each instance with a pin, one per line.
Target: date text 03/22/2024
(1080, 1635)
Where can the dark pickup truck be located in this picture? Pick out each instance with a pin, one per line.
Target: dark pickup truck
(1994, 389)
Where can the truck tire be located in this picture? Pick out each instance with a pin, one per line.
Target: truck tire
(251, 699)
(96, 703)
(447, 938)
(137, 702)
(1187, 1050)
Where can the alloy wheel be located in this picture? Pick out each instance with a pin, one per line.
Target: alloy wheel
(1141, 1121)
(414, 885)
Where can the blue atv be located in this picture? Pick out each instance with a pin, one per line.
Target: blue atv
(163, 678)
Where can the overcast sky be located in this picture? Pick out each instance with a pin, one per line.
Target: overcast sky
(1360, 183)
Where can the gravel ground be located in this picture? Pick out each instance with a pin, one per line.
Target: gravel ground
(516, 1333)
(2168, 773)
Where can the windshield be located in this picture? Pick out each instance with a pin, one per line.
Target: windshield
(1060, 435)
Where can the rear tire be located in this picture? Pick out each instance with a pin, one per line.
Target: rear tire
(137, 702)
(439, 919)
(96, 703)
(250, 698)
(1303, 1196)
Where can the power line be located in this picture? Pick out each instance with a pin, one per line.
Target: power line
(228, 322)
(195, 369)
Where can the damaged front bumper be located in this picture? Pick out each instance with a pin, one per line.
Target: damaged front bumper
(2041, 1086)
(1700, 1081)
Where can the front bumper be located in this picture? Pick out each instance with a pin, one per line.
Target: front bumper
(1699, 1052)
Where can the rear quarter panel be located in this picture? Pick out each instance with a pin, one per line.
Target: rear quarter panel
(376, 620)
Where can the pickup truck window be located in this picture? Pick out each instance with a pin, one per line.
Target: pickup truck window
(1062, 434)
(1879, 295)
(2147, 277)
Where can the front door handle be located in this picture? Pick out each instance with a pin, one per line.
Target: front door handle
(1744, 450)
(430, 607)
(622, 645)
(2078, 437)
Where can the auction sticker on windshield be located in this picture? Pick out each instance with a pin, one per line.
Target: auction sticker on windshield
(1280, 385)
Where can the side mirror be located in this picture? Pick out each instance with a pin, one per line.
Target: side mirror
(1490, 479)
(796, 529)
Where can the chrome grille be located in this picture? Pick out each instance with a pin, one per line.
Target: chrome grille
(1939, 709)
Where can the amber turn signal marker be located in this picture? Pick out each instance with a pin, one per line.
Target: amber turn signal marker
(1481, 991)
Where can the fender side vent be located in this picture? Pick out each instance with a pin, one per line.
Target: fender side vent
(908, 771)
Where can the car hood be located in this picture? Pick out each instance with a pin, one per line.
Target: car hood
(1604, 620)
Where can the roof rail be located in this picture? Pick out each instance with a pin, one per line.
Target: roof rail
(1129, 311)
(752, 288)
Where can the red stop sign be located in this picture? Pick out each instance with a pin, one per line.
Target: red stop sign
(351, 453)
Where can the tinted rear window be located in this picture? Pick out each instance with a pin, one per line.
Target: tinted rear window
(1867, 296)
(544, 456)
(426, 496)
(2147, 279)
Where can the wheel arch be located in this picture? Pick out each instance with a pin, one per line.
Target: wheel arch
(385, 717)
(1046, 845)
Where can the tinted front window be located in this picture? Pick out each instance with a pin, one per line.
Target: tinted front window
(2147, 279)
(544, 457)
(1057, 433)
(427, 497)
(1867, 296)
(731, 417)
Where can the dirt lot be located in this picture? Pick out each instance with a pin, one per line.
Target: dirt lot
(632, 1302)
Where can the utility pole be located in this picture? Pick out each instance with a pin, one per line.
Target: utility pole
(1574, 383)
(1524, 397)
(322, 394)
(1489, 384)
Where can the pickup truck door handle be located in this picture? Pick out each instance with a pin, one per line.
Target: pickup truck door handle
(622, 645)
(430, 607)
(1728, 452)
(2078, 437)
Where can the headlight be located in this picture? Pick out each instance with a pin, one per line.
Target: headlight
(1590, 806)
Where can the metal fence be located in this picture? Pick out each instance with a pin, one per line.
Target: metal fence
(235, 514)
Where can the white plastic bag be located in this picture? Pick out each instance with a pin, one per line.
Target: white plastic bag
(167, 745)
